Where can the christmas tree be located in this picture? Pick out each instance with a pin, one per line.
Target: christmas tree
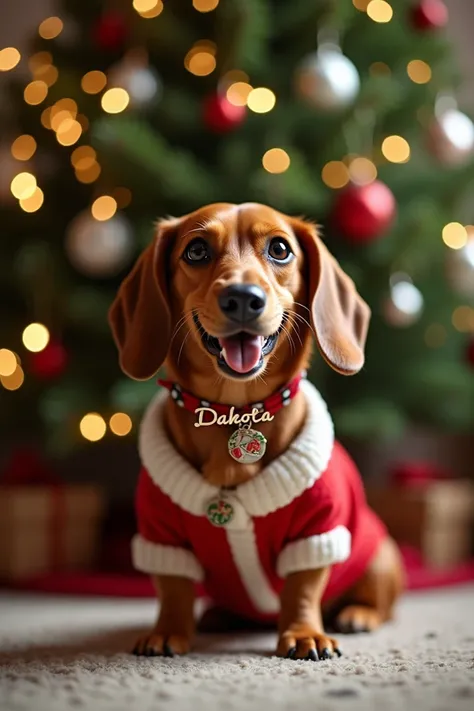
(340, 111)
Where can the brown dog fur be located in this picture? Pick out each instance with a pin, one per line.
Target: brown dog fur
(320, 300)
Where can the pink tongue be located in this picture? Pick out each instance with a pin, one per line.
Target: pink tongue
(242, 352)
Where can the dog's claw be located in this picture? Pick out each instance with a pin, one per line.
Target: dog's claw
(167, 651)
(291, 653)
(326, 653)
(312, 655)
(337, 651)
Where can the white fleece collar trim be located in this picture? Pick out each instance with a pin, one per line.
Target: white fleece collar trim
(280, 482)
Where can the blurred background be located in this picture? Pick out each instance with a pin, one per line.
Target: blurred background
(354, 113)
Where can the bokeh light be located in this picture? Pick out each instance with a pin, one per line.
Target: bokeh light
(69, 132)
(238, 93)
(361, 4)
(148, 8)
(23, 185)
(379, 11)
(276, 160)
(23, 147)
(50, 28)
(463, 319)
(9, 58)
(35, 337)
(83, 157)
(261, 100)
(93, 427)
(396, 149)
(362, 170)
(120, 424)
(335, 174)
(115, 100)
(34, 202)
(455, 235)
(122, 196)
(93, 82)
(200, 60)
(379, 69)
(47, 73)
(13, 381)
(39, 60)
(419, 71)
(8, 362)
(88, 175)
(205, 5)
(35, 92)
(103, 208)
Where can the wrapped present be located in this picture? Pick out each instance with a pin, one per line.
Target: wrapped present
(423, 506)
(45, 524)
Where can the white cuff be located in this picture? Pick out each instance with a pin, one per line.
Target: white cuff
(315, 552)
(155, 559)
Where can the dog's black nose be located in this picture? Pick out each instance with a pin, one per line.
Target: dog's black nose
(242, 302)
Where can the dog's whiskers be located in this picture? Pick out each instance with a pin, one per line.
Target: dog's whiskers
(182, 345)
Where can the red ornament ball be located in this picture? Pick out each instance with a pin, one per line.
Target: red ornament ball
(429, 15)
(470, 353)
(220, 116)
(363, 212)
(111, 31)
(50, 363)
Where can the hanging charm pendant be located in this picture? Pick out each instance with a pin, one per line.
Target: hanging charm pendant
(247, 445)
(220, 512)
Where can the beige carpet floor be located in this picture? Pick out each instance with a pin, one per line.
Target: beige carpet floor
(58, 654)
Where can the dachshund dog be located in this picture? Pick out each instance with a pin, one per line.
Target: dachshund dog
(229, 298)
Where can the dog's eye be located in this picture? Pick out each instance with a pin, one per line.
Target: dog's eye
(197, 252)
(279, 250)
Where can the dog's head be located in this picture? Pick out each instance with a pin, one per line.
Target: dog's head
(244, 279)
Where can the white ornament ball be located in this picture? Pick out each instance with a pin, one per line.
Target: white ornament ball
(404, 305)
(141, 82)
(99, 248)
(460, 269)
(451, 137)
(328, 80)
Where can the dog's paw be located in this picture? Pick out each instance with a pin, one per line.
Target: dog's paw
(155, 644)
(302, 642)
(357, 618)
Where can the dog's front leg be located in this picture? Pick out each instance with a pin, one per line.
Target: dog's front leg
(174, 630)
(300, 628)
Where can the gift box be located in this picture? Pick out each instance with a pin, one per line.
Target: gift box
(425, 508)
(45, 524)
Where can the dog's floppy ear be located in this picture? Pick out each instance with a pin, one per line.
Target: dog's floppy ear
(340, 317)
(140, 316)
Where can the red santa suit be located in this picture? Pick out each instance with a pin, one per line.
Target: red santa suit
(306, 510)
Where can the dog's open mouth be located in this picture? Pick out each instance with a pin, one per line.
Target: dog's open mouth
(240, 354)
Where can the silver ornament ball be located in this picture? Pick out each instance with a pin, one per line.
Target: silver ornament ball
(404, 305)
(328, 80)
(460, 269)
(451, 137)
(141, 82)
(99, 248)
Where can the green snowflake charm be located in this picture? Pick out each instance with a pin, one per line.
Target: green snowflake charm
(220, 512)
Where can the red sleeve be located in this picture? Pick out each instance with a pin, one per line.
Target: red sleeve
(158, 518)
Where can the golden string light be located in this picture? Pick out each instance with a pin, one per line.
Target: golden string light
(103, 208)
(455, 235)
(83, 121)
(396, 149)
(115, 100)
(35, 92)
(23, 185)
(46, 117)
(362, 170)
(23, 147)
(419, 71)
(8, 362)
(120, 424)
(233, 76)
(50, 28)
(47, 73)
(93, 82)
(435, 335)
(238, 93)
(205, 5)
(88, 175)
(276, 160)
(261, 100)
(34, 202)
(93, 427)
(39, 60)
(9, 58)
(463, 319)
(361, 4)
(69, 132)
(35, 337)
(13, 381)
(201, 59)
(335, 174)
(148, 8)
(379, 11)
(83, 157)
